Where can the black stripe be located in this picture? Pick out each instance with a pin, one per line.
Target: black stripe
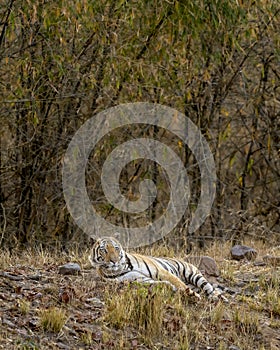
(151, 276)
(190, 277)
(196, 279)
(163, 264)
(204, 284)
(96, 254)
(184, 272)
(130, 266)
(178, 266)
(174, 268)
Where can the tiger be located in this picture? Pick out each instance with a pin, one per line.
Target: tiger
(114, 263)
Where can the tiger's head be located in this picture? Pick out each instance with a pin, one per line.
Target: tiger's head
(107, 252)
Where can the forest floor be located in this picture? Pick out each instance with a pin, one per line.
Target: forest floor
(42, 309)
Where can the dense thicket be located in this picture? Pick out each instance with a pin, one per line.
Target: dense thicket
(63, 62)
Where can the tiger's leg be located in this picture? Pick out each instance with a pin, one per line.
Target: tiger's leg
(147, 280)
(163, 277)
(139, 276)
(168, 278)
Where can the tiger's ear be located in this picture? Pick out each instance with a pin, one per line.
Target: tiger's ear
(92, 240)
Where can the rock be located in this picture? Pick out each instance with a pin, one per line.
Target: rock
(69, 269)
(96, 302)
(205, 264)
(209, 266)
(272, 260)
(239, 252)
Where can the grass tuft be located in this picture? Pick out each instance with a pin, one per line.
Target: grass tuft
(138, 306)
(53, 319)
(24, 307)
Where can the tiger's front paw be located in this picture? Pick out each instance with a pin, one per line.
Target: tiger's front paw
(193, 294)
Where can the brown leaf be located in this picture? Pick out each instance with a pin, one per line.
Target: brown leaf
(64, 297)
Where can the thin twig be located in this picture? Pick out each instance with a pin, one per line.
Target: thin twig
(5, 223)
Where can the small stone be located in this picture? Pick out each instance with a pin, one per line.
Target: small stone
(233, 347)
(8, 323)
(96, 302)
(69, 269)
(272, 260)
(259, 263)
(239, 252)
(63, 346)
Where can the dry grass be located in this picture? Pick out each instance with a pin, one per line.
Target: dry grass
(137, 306)
(135, 316)
(24, 306)
(53, 319)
